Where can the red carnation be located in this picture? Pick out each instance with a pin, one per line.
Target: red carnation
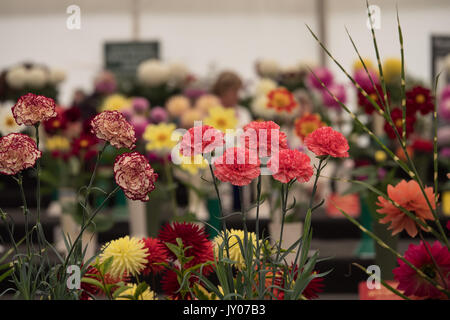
(422, 145)
(419, 99)
(290, 164)
(200, 140)
(192, 236)
(54, 124)
(264, 137)
(156, 254)
(238, 166)
(31, 109)
(411, 283)
(326, 141)
(397, 118)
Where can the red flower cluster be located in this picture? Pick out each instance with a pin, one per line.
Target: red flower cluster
(200, 140)
(156, 254)
(56, 123)
(17, 152)
(419, 99)
(88, 290)
(264, 137)
(372, 92)
(111, 126)
(290, 164)
(422, 145)
(238, 166)
(397, 117)
(31, 109)
(192, 236)
(327, 142)
(414, 285)
(134, 175)
(171, 286)
(85, 146)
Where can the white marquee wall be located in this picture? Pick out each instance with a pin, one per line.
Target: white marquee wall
(231, 34)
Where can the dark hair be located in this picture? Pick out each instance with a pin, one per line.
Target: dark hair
(225, 81)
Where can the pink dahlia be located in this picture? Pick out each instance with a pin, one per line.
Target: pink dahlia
(289, 165)
(338, 90)
(323, 75)
(134, 175)
(413, 284)
(112, 126)
(264, 137)
(156, 254)
(17, 152)
(192, 236)
(326, 141)
(238, 166)
(200, 140)
(31, 109)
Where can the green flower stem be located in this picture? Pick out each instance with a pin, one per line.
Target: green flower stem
(38, 175)
(173, 197)
(432, 258)
(25, 213)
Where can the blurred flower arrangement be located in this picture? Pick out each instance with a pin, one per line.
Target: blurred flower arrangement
(30, 77)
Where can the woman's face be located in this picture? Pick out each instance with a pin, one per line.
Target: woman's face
(230, 97)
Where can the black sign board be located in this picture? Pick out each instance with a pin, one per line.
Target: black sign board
(440, 48)
(123, 58)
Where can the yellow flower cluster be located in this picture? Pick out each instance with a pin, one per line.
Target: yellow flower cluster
(221, 118)
(57, 143)
(116, 102)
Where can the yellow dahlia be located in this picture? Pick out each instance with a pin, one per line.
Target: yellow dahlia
(222, 118)
(129, 256)
(357, 65)
(57, 143)
(233, 245)
(146, 295)
(392, 69)
(115, 102)
(160, 137)
(193, 164)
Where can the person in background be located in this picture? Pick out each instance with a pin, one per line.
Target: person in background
(226, 88)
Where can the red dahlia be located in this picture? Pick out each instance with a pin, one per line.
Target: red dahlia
(192, 236)
(397, 117)
(264, 137)
(59, 122)
(366, 104)
(419, 99)
(239, 166)
(171, 286)
(157, 254)
(200, 140)
(290, 164)
(411, 283)
(84, 146)
(422, 145)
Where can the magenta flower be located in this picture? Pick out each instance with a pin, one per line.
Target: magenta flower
(158, 114)
(140, 104)
(323, 74)
(362, 78)
(339, 91)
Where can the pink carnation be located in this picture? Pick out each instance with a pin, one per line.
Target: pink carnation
(134, 175)
(290, 164)
(200, 140)
(325, 141)
(238, 166)
(112, 126)
(31, 109)
(264, 137)
(17, 152)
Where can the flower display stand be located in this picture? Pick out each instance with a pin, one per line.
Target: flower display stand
(137, 218)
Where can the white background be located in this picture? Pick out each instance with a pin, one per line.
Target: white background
(201, 33)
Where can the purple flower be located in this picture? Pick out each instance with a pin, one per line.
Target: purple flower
(193, 94)
(324, 75)
(139, 124)
(158, 114)
(445, 152)
(362, 78)
(140, 104)
(444, 107)
(381, 173)
(445, 92)
(443, 135)
(339, 91)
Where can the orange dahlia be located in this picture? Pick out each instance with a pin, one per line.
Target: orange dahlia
(307, 124)
(281, 99)
(409, 196)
